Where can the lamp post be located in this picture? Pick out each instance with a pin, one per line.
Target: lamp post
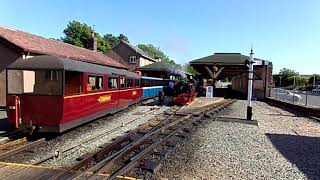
(250, 82)
(280, 80)
(314, 79)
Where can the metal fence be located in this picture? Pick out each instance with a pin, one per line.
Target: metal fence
(306, 98)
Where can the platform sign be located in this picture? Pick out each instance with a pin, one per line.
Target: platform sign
(209, 91)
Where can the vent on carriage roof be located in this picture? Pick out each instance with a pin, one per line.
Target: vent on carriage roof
(40, 45)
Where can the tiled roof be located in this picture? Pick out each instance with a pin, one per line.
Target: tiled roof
(227, 59)
(224, 58)
(40, 45)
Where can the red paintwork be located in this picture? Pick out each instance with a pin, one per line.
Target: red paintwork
(36, 110)
(58, 111)
(13, 114)
(88, 104)
(185, 98)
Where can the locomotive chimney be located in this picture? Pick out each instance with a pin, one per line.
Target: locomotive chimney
(92, 41)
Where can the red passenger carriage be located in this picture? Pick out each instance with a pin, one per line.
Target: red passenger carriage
(58, 94)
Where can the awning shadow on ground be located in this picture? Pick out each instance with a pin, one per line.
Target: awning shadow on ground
(302, 151)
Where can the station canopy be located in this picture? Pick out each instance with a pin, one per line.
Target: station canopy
(223, 65)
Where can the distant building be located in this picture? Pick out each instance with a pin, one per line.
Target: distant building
(17, 45)
(220, 66)
(130, 55)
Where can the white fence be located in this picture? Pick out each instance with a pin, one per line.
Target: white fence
(306, 98)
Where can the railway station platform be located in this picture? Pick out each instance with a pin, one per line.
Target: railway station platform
(23, 171)
(200, 104)
(15, 171)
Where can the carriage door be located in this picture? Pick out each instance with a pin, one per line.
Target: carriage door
(122, 95)
(13, 111)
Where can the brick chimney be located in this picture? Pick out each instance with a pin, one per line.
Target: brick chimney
(92, 42)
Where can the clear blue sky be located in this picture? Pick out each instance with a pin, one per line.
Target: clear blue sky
(287, 32)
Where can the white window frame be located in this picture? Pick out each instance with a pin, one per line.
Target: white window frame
(132, 59)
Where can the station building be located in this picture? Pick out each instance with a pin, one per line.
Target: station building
(16, 45)
(233, 66)
(130, 55)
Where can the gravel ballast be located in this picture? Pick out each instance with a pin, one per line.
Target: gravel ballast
(282, 146)
(122, 121)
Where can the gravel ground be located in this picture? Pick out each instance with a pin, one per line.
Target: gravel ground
(139, 114)
(282, 146)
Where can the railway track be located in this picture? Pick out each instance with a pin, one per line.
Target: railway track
(59, 152)
(17, 146)
(22, 145)
(127, 152)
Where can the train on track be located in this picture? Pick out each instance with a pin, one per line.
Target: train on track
(58, 94)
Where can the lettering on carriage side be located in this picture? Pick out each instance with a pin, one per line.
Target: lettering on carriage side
(104, 99)
(134, 93)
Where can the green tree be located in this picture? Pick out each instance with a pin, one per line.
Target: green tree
(110, 39)
(113, 40)
(189, 69)
(310, 82)
(286, 76)
(78, 34)
(301, 81)
(284, 72)
(156, 53)
(122, 37)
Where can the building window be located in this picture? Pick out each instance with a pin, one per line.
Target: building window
(112, 83)
(95, 83)
(132, 59)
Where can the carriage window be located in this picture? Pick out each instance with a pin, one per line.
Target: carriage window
(35, 82)
(129, 83)
(51, 75)
(112, 83)
(73, 83)
(122, 82)
(95, 83)
(137, 82)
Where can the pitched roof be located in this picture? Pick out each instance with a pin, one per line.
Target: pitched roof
(138, 50)
(228, 59)
(40, 45)
(221, 58)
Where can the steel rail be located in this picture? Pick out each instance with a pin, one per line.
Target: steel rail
(135, 161)
(13, 143)
(21, 148)
(57, 153)
(109, 147)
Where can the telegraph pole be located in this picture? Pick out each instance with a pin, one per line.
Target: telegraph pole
(250, 82)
